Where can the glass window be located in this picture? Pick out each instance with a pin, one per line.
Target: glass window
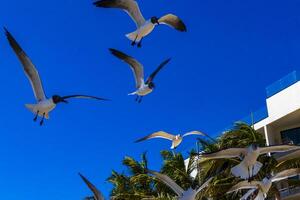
(291, 135)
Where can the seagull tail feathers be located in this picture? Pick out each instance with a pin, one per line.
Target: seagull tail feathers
(241, 171)
(133, 36)
(256, 168)
(133, 93)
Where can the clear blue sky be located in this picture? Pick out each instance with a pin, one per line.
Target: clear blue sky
(219, 70)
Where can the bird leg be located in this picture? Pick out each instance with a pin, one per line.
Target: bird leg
(249, 174)
(140, 43)
(134, 41)
(42, 121)
(137, 98)
(36, 116)
(140, 100)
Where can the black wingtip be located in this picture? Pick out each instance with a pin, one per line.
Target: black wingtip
(5, 30)
(118, 53)
(139, 140)
(7, 33)
(103, 3)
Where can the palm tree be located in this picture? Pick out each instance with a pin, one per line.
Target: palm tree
(136, 185)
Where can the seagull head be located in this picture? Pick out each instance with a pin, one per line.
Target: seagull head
(154, 20)
(58, 99)
(151, 85)
(254, 147)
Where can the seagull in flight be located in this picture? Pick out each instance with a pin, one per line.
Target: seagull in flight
(262, 187)
(144, 27)
(143, 88)
(44, 105)
(97, 194)
(249, 166)
(182, 194)
(176, 139)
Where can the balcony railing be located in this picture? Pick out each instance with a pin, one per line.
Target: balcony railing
(256, 116)
(283, 83)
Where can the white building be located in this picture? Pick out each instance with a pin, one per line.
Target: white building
(279, 120)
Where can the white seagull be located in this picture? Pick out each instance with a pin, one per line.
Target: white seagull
(263, 187)
(143, 88)
(144, 27)
(182, 194)
(249, 165)
(176, 139)
(97, 195)
(44, 105)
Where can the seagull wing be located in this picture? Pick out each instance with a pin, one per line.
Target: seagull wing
(97, 194)
(168, 181)
(250, 192)
(136, 67)
(286, 174)
(289, 156)
(129, 6)
(227, 153)
(79, 96)
(244, 185)
(28, 67)
(159, 134)
(194, 133)
(204, 185)
(278, 148)
(152, 76)
(173, 21)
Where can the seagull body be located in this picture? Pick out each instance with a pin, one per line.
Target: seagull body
(176, 139)
(43, 105)
(143, 90)
(143, 87)
(249, 166)
(265, 185)
(144, 27)
(182, 194)
(141, 32)
(97, 195)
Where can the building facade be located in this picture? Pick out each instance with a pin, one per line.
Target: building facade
(279, 121)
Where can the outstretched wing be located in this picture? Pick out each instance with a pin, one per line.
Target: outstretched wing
(97, 194)
(227, 153)
(278, 148)
(136, 67)
(79, 96)
(152, 76)
(168, 181)
(194, 133)
(174, 22)
(129, 6)
(286, 174)
(204, 185)
(244, 185)
(159, 134)
(30, 70)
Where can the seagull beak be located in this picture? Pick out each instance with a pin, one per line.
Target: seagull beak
(64, 101)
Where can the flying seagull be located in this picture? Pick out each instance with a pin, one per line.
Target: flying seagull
(263, 186)
(182, 194)
(44, 105)
(97, 194)
(176, 139)
(143, 27)
(143, 88)
(249, 165)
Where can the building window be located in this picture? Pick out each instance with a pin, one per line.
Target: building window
(291, 136)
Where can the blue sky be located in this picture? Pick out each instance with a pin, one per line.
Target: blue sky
(219, 69)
